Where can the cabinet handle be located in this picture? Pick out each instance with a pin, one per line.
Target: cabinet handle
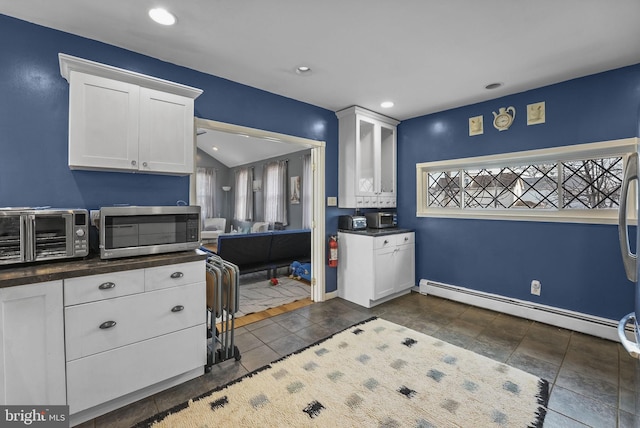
(107, 285)
(406, 238)
(107, 324)
(144, 164)
(177, 308)
(177, 275)
(386, 242)
(133, 163)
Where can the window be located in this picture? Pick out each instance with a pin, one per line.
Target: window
(244, 195)
(580, 183)
(205, 187)
(274, 187)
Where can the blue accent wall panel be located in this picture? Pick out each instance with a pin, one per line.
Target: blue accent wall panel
(579, 265)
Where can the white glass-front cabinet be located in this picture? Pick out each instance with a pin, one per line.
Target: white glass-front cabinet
(367, 159)
(125, 121)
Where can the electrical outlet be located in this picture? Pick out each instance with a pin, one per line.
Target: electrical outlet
(536, 287)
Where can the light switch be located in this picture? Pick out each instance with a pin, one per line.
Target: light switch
(332, 201)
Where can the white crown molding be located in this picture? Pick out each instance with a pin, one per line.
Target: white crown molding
(70, 63)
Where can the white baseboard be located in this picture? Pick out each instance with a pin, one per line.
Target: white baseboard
(571, 320)
(330, 295)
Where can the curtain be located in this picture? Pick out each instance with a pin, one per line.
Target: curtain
(244, 195)
(274, 190)
(307, 192)
(206, 191)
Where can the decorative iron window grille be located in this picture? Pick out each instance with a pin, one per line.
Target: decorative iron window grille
(522, 187)
(573, 183)
(593, 183)
(444, 189)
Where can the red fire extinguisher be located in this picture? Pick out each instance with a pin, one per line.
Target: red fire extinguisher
(333, 251)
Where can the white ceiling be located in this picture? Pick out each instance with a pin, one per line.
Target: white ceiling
(424, 55)
(237, 149)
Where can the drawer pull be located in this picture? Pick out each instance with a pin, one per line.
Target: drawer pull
(107, 324)
(107, 285)
(406, 238)
(177, 308)
(177, 275)
(386, 242)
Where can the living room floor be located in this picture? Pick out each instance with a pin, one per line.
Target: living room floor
(592, 379)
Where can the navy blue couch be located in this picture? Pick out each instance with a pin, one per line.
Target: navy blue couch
(254, 252)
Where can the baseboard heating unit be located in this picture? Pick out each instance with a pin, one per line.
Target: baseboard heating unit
(571, 320)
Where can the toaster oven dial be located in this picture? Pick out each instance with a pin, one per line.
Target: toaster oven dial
(80, 233)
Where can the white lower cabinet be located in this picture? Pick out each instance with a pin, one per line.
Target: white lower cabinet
(32, 368)
(374, 269)
(143, 339)
(120, 371)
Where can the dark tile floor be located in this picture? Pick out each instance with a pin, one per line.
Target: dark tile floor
(592, 379)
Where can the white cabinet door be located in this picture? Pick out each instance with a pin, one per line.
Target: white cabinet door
(166, 132)
(366, 156)
(385, 271)
(103, 123)
(387, 166)
(405, 260)
(32, 363)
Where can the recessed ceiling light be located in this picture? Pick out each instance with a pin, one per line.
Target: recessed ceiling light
(495, 85)
(162, 16)
(387, 104)
(303, 69)
(215, 149)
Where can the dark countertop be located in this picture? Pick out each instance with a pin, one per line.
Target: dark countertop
(377, 232)
(91, 265)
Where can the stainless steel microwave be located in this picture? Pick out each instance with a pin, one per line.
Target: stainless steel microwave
(35, 235)
(139, 230)
(381, 220)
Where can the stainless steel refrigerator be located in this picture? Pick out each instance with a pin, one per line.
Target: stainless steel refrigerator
(630, 339)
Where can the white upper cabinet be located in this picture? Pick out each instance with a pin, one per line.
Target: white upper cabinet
(125, 121)
(367, 159)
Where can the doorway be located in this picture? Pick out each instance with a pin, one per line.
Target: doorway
(317, 185)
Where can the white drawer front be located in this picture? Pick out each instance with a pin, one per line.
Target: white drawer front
(137, 317)
(384, 241)
(393, 240)
(105, 286)
(173, 275)
(102, 377)
(405, 238)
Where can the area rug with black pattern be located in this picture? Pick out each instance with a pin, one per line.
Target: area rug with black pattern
(373, 374)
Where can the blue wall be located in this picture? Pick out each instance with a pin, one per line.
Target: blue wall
(579, 265)
(34, 103)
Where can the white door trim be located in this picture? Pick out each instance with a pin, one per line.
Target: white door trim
(318, 283)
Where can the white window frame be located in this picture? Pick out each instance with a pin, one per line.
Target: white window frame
(622, 147)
